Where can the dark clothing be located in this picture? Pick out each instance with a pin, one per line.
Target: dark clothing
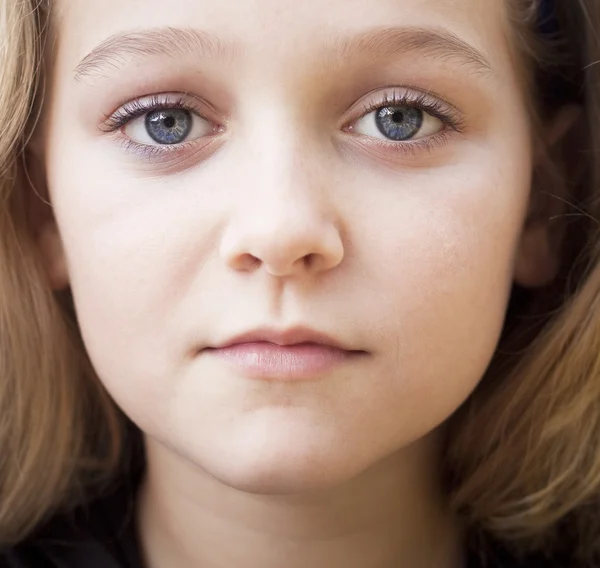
(103, 535)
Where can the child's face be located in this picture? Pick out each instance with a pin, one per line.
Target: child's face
(290, 203)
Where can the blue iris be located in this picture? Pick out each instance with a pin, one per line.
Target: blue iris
(169, 126)
(399, 122)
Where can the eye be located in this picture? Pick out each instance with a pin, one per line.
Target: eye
(398, 123)
(167, 126)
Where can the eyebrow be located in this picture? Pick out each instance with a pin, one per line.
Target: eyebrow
(427, 42)
(117, 50)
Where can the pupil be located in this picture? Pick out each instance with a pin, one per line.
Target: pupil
(169, 122)
(400, 122)
(169, 126)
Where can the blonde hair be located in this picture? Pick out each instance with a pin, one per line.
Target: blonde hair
(58, 429)
(523, 453)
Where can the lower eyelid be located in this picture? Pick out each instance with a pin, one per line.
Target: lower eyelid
(388, 153)
(175, 158)
(202, 148)
(196, 149)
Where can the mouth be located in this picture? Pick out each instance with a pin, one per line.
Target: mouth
(289, 355)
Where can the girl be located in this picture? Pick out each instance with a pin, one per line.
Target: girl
(299, 284)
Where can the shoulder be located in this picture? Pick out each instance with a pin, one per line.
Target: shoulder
(100, 535)
(37, 554)
(487, 552)
(23, 556)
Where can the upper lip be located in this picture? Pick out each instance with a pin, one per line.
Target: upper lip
(286, 337)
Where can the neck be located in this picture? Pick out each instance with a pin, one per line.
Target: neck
(391, 516)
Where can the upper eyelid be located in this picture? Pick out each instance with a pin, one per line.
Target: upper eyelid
(165, 97)
(144, 104)
(158, 152)
(409, 92)
(378, 98)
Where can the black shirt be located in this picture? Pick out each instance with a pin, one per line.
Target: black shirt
(103, 535)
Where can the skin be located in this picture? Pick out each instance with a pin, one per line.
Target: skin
(289, 212)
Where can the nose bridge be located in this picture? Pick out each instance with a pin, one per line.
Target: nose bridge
(289, 190)
(286, 221)
(284, 150)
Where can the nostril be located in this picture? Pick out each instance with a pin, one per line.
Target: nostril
(310, 260)
(247, 262)
(282, 251)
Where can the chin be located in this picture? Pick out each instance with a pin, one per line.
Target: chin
(267, 475)
(281, 459)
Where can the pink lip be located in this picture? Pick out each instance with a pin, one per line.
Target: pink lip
(292, 355)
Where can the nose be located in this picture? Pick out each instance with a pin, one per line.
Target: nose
(284, 230)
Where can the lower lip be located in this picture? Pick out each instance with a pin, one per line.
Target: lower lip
(262, 360)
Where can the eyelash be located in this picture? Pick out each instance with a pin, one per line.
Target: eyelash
(432, 105)
(448, 115)
(135, 109)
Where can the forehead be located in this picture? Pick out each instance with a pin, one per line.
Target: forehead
(276, 30)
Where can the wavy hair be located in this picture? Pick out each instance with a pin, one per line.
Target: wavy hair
(523, 453)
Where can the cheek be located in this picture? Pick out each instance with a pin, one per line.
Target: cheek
(132, 262)
(440, 270)
(424, 285)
